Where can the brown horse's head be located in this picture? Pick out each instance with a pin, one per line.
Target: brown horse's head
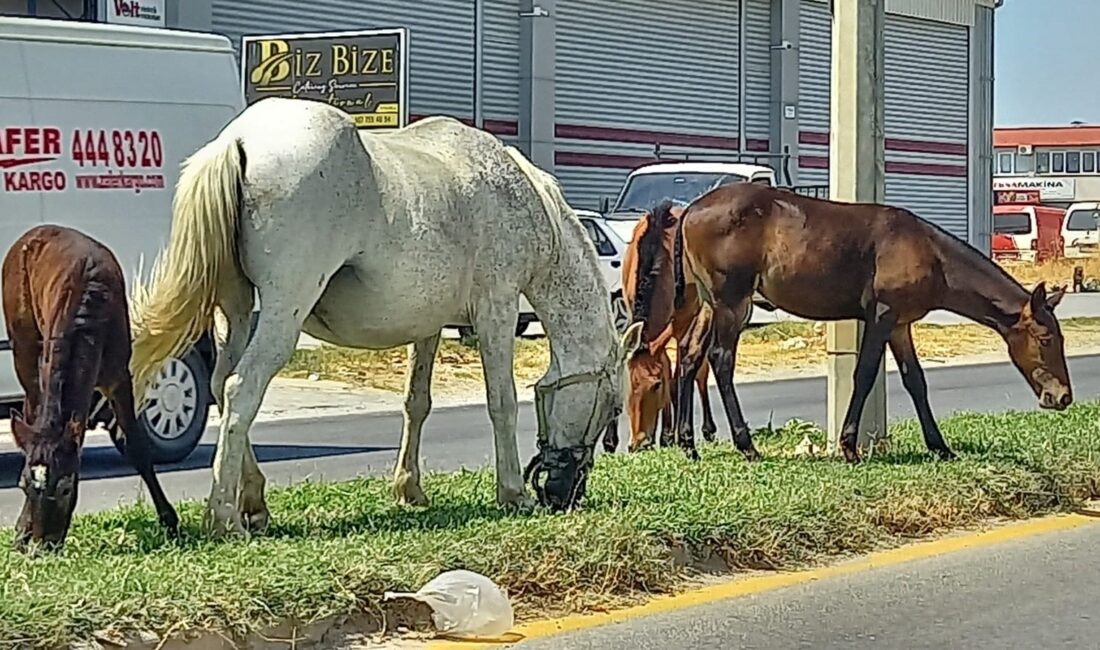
(650, 373)
(48, 480)
(1036, 346)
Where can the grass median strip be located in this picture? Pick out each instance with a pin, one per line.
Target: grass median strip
(335, 548)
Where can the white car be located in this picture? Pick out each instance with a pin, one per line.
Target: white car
(1081, 230)
(610, 246)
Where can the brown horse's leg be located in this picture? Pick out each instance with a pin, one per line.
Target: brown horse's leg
(876, 334)
(611, 436)
(140, 453)
(691, 351)
(912, 377)
(723, 356)
(709, 427)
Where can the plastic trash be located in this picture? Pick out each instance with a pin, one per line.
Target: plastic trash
(464, 604)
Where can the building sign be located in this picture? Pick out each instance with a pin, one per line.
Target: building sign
(1050, 189)
(1011, 197)
(141, 13)
(365, 73)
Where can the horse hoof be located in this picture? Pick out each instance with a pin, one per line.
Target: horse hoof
(945, 454)
(751, 455)
(221, 523)
(170, 522)
(516, 503)
(408, 492)
(256, 522)
(709, 434)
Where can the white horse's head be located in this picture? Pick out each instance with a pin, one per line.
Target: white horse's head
(572, 411)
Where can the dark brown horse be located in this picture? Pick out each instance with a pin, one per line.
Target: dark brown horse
(66, 315)
(829, 261)
(648, 288)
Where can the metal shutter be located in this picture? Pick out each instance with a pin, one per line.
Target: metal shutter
(758, 73)
(928, 120)
(500, 59)
(814, 73)
(641, 65)
(441, 39)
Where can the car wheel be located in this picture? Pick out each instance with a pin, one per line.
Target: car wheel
(176, 409)
(619, 312)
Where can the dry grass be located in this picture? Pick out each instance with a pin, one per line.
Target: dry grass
(1058, 272)
(791, 346)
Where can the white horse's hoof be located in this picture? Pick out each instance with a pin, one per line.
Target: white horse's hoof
(221, 522)
(408, 491)
(514, 502)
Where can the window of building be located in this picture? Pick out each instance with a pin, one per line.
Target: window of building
(1042, 162)
(1025, 163)
(1004, 162)
(1058, 162)
(1073, 162)
(1088, 162)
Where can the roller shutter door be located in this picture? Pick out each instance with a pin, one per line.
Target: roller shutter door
(441, 38)
(927, 113)
(500, 60)
(632, 72)
(814, 70)
(758, 74)
(927, 120)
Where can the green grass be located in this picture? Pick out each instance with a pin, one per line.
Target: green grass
(335, 548)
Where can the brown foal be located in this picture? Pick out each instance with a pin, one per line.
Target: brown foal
(66, 315)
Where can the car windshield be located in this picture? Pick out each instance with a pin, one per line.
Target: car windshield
(1012, 223)
(645, 191)
(1082, 220)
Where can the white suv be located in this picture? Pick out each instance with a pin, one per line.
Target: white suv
(610, 246)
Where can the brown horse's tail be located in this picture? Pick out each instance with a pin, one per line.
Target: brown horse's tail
(176, 307)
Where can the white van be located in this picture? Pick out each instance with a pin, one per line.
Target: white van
(1081, 230)
(94, 122)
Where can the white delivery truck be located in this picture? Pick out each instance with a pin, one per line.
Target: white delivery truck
(94, 122)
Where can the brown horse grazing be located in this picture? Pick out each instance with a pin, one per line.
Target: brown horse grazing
(67, 320)
(827, 261)
(648, 287)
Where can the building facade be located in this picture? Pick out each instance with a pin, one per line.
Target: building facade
(1061, 162)
(587, 88)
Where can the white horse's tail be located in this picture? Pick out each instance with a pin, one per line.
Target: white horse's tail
(170, 313)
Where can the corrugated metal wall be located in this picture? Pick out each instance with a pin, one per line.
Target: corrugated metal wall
(758, 73)
(441, 63)
(927, 112)
(927, 120)
(814, 71)
(500, 60)
(640, 66)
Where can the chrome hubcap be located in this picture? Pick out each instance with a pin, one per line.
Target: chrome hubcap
(172, 401)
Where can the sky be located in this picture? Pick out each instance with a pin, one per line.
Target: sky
(1046, 62)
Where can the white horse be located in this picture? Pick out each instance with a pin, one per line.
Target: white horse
(374, 240)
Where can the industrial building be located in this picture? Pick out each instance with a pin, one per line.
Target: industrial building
(1061, 162)
(588, 87)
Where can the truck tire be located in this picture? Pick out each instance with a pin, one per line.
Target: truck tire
(176, 412)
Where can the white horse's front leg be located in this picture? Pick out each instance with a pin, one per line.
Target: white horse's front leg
(268, 351)
(496, 329)
(418, 402)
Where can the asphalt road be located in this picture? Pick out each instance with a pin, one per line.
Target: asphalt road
(343, 447)
(1034, 592)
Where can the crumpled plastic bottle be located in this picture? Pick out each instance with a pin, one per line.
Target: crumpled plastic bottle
(464, 604)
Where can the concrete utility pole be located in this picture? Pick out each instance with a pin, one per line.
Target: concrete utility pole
(857, 170)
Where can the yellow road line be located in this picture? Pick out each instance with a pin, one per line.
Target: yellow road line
(735, 588)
